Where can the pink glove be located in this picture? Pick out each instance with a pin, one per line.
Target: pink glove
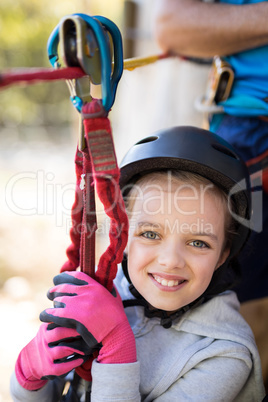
(53, 352)
(97, 315)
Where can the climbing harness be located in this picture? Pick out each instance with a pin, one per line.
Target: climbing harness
(220, 82)
(258, 169)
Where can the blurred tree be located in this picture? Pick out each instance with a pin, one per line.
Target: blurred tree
(25, 26)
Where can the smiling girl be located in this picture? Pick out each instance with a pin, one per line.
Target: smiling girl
(188, 201)
(180, 336)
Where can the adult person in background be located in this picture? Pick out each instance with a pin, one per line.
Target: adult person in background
(237, 32)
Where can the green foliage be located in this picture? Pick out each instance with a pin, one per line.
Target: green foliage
(25, 26)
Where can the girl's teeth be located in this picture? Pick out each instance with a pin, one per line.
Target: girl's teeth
(165, 282)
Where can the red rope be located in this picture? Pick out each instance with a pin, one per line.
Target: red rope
(89, 220)
(33, 75)
(73, 251)
(100, 170)
(106, 175)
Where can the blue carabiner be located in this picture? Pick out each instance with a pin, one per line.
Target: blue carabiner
(52, 47)
(118, 57)
(109, 80)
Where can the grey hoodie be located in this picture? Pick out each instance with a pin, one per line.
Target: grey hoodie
(207, 355)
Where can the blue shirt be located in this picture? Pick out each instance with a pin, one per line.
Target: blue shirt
(250, 87)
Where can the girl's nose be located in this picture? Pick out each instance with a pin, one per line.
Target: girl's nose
(171, 255)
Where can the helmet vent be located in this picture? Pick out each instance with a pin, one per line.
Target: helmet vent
(224, 150)
(148, 139)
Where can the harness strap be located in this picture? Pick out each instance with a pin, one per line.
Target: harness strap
(73, 251)
(106, 174)
(97, 166)
(258, 169)
(89, 223)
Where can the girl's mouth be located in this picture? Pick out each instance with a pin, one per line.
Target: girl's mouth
(170, 283)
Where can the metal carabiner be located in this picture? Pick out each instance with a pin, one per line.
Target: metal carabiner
(111, 81)
(98, 25)
(79, 46)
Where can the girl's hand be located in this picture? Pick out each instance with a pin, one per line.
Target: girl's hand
(54, 351)
(96, 314)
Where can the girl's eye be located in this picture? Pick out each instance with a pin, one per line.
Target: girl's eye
(150, 235)
(198, 244)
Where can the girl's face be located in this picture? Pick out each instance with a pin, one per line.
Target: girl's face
(176, 241)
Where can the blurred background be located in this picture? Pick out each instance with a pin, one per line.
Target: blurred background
(38, 136)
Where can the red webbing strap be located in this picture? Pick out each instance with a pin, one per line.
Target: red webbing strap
(81, 252)
(98, 135)
(89, 223)
(97, 165)
(73, 251)
(258, 169)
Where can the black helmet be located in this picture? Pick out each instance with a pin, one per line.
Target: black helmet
(198, 151)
